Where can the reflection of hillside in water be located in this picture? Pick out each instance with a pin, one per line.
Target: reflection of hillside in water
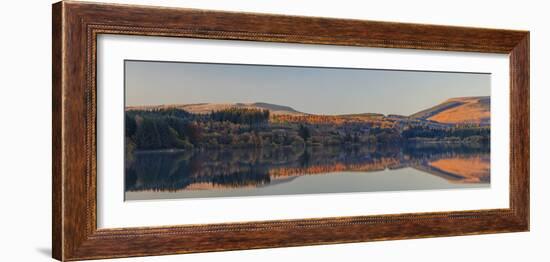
(173, 171)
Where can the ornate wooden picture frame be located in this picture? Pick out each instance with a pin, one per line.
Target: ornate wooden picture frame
(76, 26)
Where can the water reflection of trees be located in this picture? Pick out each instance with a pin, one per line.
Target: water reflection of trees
(171, 171)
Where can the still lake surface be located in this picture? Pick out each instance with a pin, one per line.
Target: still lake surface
(288, 171)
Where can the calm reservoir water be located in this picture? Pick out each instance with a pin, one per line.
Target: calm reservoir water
(284, 171)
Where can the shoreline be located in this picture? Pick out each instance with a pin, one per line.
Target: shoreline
(407, 144)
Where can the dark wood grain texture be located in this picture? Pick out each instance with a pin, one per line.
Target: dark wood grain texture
(57, 198)
(76, 26)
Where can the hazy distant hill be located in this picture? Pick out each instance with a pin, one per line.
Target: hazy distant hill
(205, 108)
(459, 110)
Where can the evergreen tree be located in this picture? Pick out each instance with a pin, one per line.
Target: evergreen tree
(304, 132)
(147, 135)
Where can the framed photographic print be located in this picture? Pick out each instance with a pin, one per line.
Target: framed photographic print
(182, 130)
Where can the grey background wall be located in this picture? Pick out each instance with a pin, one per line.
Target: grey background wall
(25, 148)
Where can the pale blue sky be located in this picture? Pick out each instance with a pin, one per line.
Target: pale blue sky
(306, 89)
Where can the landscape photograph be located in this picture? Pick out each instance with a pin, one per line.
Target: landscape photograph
(202, 130)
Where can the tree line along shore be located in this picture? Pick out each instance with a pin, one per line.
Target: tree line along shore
(171, 128)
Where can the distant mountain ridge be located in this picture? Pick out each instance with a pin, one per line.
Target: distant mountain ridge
(277, 109)
(205, 108)
(460, 110)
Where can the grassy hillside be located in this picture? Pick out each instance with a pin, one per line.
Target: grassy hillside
(207, 108)
(462, 110)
